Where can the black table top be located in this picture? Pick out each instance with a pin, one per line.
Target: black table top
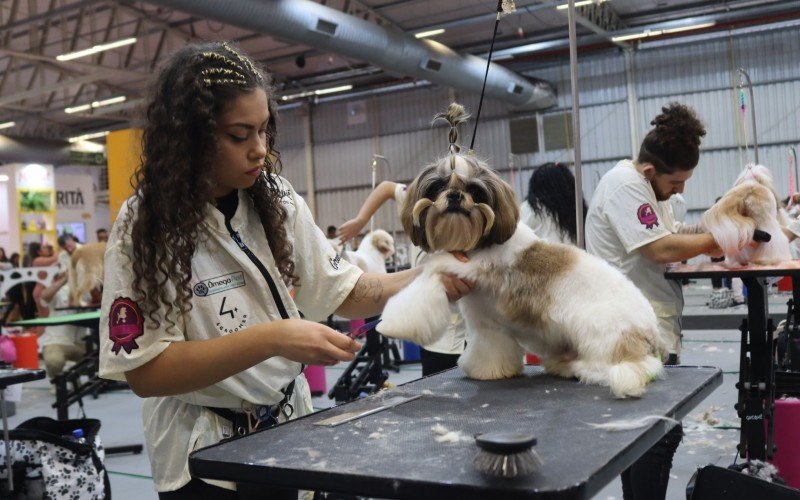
(715, 270)
(11, 376)
(394, 454)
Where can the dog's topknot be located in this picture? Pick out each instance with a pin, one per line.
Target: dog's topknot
(455, 116)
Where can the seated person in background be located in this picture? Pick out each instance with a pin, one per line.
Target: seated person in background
(549, 208)
(60, 343)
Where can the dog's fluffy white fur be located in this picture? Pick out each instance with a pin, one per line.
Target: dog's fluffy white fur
(751, 204)
(85, 272)
(583, 317)
(375, 248)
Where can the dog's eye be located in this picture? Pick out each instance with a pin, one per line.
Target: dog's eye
(477, 193)
(434, 189)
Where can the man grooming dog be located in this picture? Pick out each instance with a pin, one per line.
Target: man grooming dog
(532, 295)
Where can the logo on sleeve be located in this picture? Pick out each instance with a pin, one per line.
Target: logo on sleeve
(335, 261)
(125, 325)
(647, 215)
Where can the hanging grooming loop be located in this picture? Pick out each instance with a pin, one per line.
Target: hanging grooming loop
(744, 81)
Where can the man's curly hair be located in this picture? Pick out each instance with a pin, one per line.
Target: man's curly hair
(173, 183)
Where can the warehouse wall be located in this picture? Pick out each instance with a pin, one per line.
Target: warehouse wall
(699, 72)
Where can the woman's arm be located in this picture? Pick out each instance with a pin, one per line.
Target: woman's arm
(381, 194)
(372, 290)
(58, 282)
(194, 364)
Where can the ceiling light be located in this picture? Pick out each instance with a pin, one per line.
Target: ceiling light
(581, 3)
(634, 36)
(309, 93)
(7, 125)
(87, 137)
(425, 34)
(692, 27)
(95, 49)
(95, 104)
(3, 178)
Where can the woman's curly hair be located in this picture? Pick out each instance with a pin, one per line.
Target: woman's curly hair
(551, 191)
(173, 183)
(674, 142)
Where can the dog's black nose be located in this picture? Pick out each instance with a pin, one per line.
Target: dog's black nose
(454, 196)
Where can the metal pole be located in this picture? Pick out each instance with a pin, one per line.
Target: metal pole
(793, 154)
(5, 438)
(576, 122)
(752, 110)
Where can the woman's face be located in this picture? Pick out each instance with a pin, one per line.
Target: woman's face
(241, 142)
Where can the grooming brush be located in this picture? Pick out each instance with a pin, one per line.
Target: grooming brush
(506, 454)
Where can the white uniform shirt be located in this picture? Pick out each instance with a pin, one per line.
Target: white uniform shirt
(543, 224)
(454, 339)
(230, 293)
(60, 334)
(623, 217)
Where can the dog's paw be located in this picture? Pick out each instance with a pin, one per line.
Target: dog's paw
(486, 370)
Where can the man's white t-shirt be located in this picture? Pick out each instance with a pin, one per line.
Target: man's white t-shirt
(60, 334)
(454, 339)
(623, 216)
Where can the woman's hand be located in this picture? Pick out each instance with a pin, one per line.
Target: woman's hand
(454, 286)
(350, 229)
(313, 343)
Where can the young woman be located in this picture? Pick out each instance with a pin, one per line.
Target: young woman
(210, 264)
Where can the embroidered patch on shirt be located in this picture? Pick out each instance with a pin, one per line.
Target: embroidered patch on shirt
(219, 284)
(647, 215)
(125, 324)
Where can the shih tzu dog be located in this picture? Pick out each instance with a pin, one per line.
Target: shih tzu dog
(375, 248)
(583, 317)
(751, 204)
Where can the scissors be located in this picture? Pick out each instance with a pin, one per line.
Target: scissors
(363, 329)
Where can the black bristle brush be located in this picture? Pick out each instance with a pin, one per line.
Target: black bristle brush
(506, 454)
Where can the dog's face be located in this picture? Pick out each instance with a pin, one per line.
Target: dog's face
(384, 242)
(459, 204)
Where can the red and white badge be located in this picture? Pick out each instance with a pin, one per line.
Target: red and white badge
(125, 325)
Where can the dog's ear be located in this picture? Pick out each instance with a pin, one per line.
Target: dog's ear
(416, 232)
(506, 211)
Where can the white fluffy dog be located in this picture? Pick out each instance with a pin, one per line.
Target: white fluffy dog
(86, 272)
(583, 317)
(375, 248)
(751, 204)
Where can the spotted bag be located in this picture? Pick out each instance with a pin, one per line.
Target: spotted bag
(48, 462)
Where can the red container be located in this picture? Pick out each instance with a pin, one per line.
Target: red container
(532, 359)
(787, 439)
(27, 345)
(785, 284)
(315, 374)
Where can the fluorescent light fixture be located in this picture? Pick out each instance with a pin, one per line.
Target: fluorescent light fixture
(3, 178)
(95, 49)
(87, 137)
(95, 104)
(309, 93)
(692, 27)
(7, 125)
(634, 36)
(425, 34)
(581, 3)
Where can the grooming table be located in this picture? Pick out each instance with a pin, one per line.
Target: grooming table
(403, 460)
(756, 366)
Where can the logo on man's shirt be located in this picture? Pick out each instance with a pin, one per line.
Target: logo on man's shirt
(219, 284)
(125, 325)
(647, 215)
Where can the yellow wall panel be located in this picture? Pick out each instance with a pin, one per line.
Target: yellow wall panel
(124, 149)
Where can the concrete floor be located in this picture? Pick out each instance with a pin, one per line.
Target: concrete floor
(711, 429)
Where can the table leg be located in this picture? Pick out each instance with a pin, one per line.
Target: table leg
(6, 440)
